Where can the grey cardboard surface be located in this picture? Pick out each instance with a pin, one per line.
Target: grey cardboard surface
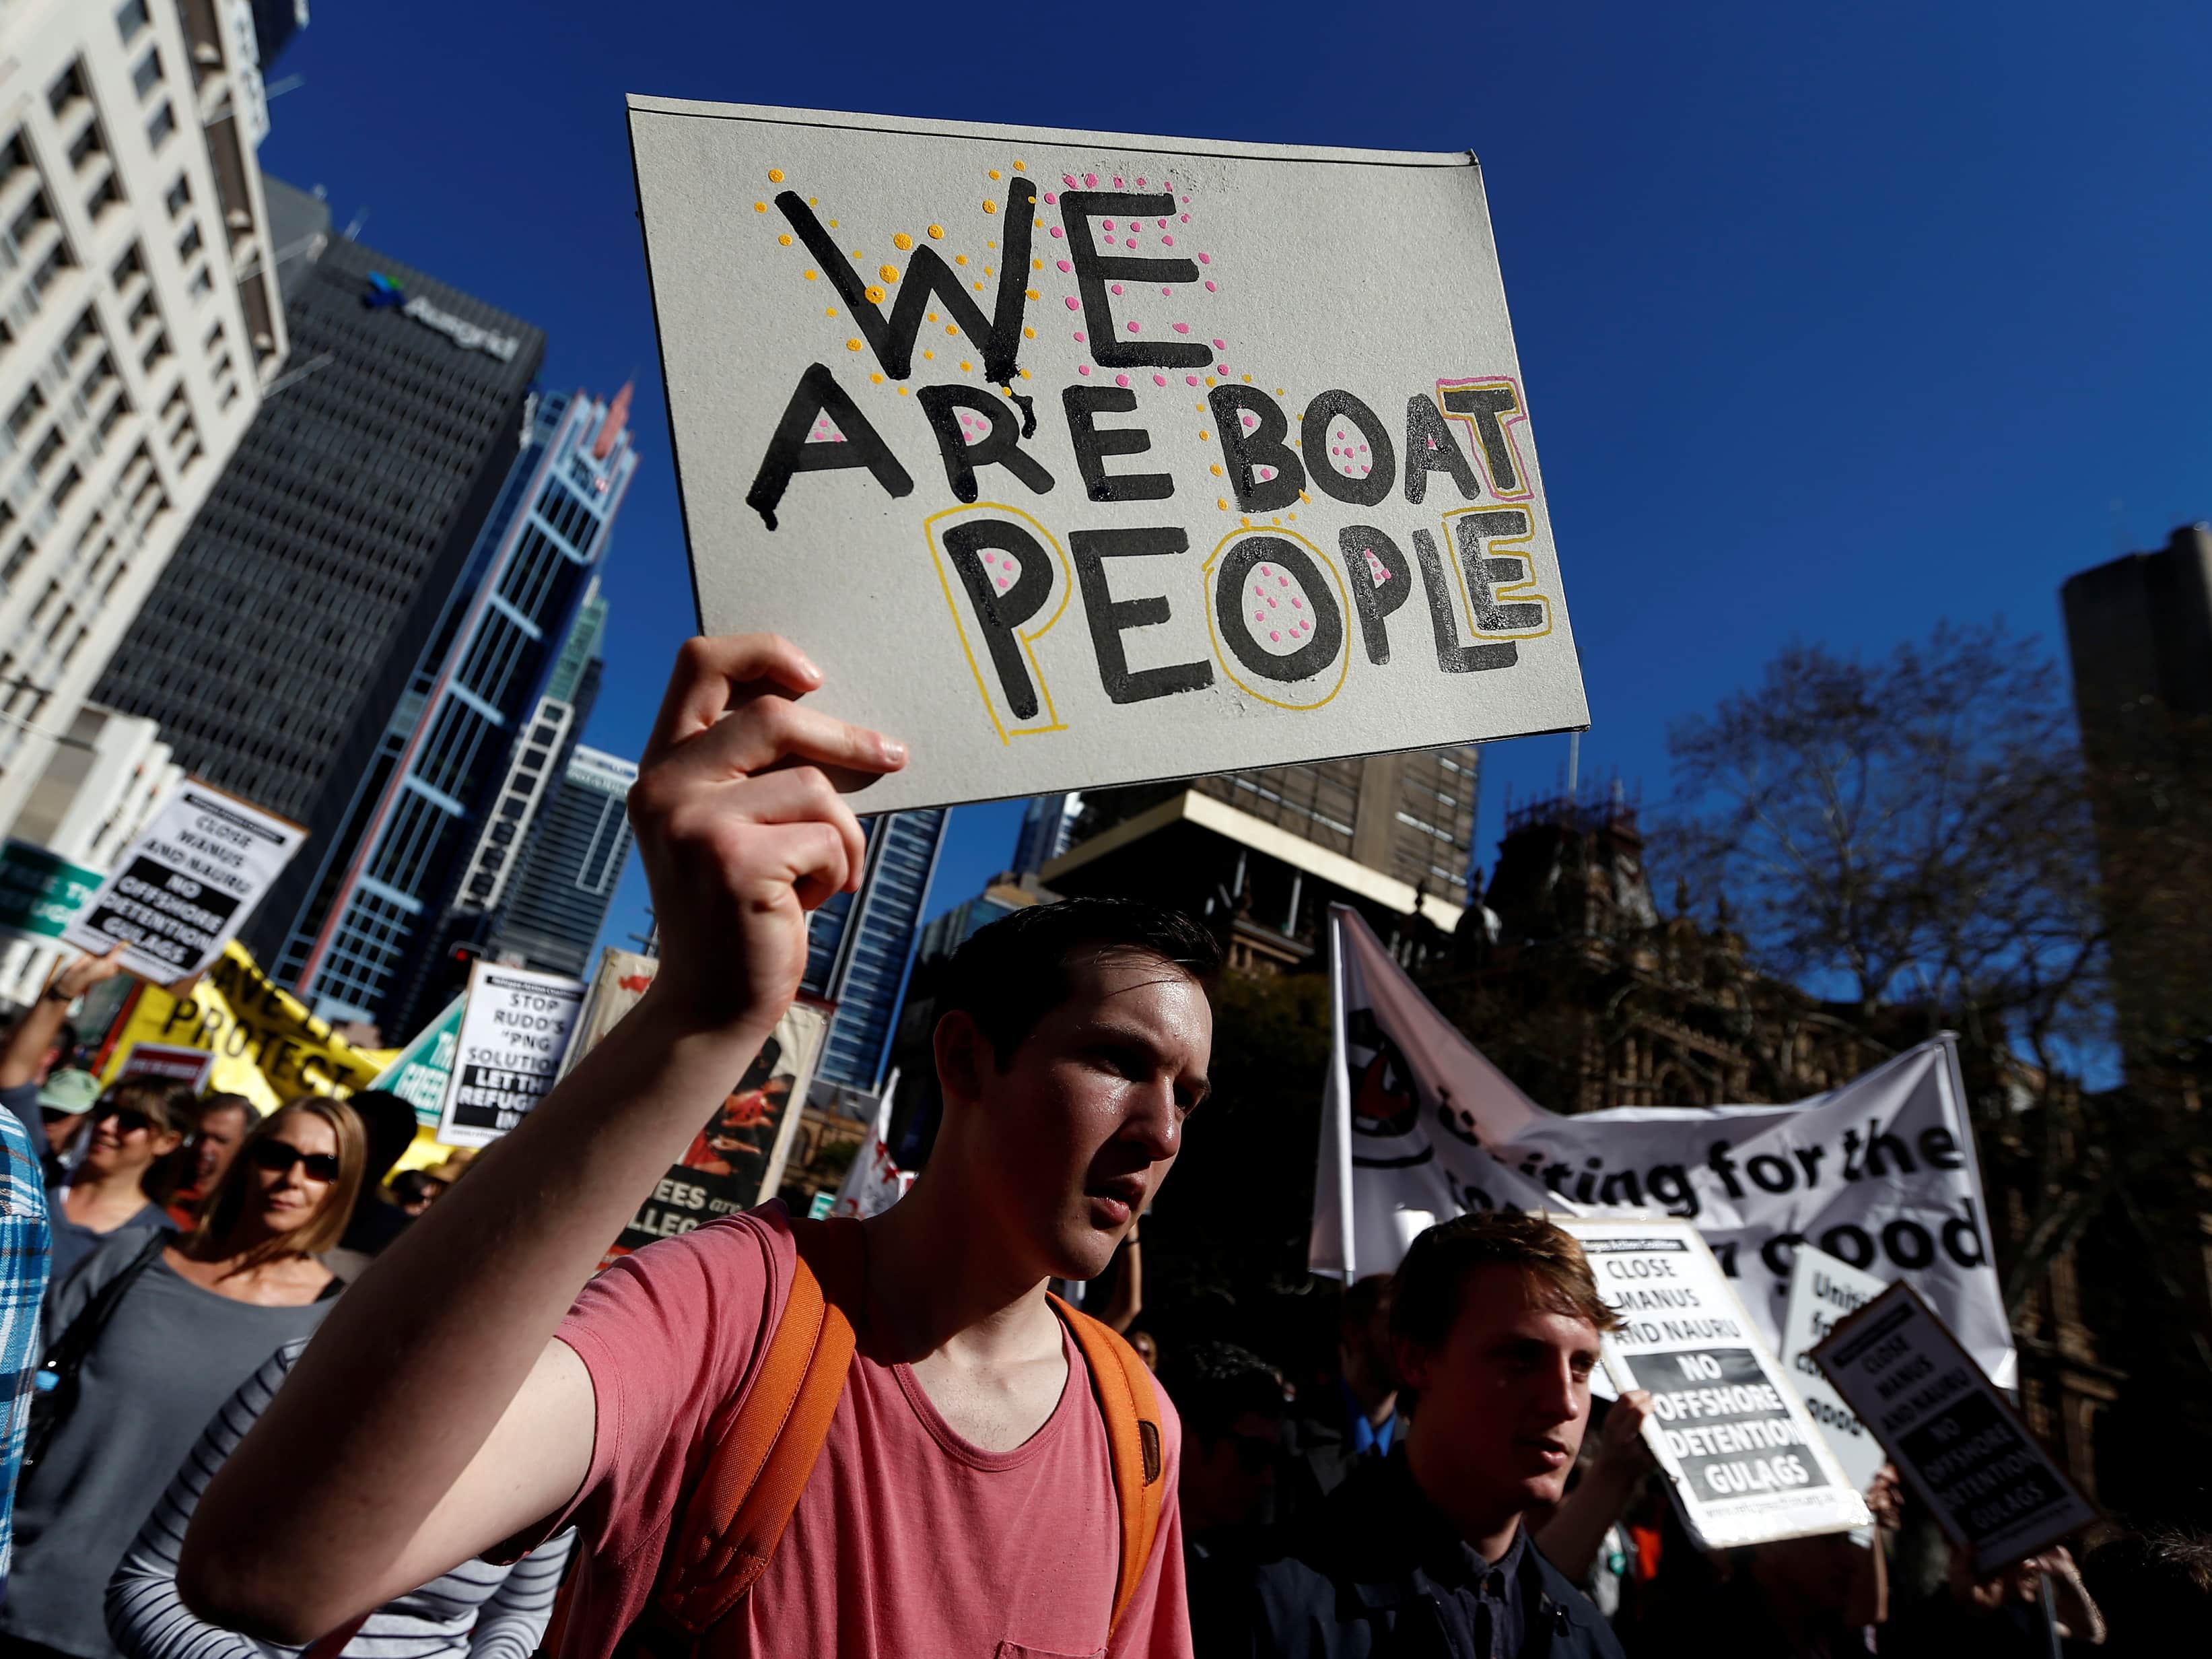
(1170, 601)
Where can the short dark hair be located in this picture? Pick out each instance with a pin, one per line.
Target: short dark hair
(1009, 975)
(1214, 1383)
(2152, 1587)
(1427, 1290)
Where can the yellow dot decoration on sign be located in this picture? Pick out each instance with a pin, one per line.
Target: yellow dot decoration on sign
(1221, 502)
(814, 201)
(1246, 521)
(1033, 293)
(888, 273)
(995, 172)
(988, 272)
(901, 391)
(959, 258)
(1203, 434)
(776, 175)
(1025, 374)
(1216, 469)
(878, 378)
(853, 344)
(856, 254)
(952, 328)
(1029, 334)
(1036, 265)
(929, 356)
(988, 243)
(811, 275)
(966, 368)
(1278, 390)
(828, 311)
(1021, 166)
(759, 207)
(1209, 380)
(784, 238)
(901, 241)
(875, 294)
(937, 233)
(1248, 379)
(989, 206)
(977, 286)
(1306, 498)
(1292, 517)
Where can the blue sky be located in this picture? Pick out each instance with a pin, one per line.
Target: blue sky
(1833, 320)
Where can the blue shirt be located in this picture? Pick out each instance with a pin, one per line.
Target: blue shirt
(26, 1244)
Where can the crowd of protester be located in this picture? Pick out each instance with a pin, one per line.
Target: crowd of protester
(489, 1423)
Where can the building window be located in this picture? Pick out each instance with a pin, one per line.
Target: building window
(67, 89)
(106, 195)
(163, 123)
(85, 147)
(130, 265)
(129, 18)
(201, 283)
(180, 196)
(148, 74)
(189, 243)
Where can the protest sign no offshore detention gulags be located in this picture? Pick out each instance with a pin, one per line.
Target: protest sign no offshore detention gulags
(1078, 459)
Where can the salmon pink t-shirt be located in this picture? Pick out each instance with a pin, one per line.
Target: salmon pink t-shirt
(908, 1543)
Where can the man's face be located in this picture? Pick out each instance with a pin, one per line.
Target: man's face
(1504, 1400)
(214, 1144)
(1229, 1482)
(1083, 1122)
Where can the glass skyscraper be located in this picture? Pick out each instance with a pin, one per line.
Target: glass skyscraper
(357, 950)
(566, 878)
(860, 946)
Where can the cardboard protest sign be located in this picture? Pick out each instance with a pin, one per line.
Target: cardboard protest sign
(263, 1041)
(1746, 1461)
(736, 1159)
(1078, 459)
(41, 892)
(1824, 1292)
(1420, 1126)
(189, 1066)
(422, 1071)
(514, 1031)
(1953, 1437)
(181, 891)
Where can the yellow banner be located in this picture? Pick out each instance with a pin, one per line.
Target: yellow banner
(267, 1045)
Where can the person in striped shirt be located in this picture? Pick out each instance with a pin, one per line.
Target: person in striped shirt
(477, 1611)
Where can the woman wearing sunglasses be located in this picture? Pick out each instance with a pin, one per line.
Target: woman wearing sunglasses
(141, 1370)
(132, 1157)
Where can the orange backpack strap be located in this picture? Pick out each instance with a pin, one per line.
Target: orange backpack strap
(1131, 1406)
(737, 1513)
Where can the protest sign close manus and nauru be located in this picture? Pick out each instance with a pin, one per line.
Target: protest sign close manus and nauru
(1077, 458)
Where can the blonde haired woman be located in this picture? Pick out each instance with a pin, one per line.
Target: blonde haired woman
(146, 1340)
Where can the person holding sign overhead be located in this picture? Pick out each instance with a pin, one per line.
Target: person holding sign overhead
(953, 1464)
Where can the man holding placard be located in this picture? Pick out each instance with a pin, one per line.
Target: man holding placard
(1076, 1043)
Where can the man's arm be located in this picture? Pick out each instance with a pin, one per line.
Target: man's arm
(434, 1416)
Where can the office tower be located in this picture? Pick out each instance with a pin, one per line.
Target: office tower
(859, 946)
(140, 322)
(2139, 633)
(1047, 823)
(570, 869)
(103, 785)
(283, 637)
(360, 944)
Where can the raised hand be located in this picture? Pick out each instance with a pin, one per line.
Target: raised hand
(74, 979)
(741, 828)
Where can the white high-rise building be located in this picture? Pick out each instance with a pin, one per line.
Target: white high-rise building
(140, 322)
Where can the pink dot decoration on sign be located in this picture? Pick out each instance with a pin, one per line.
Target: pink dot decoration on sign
(1140, 183)
(1163, 224)
(1116, 289)
(1117, 182)
(1259, 616)
(1206, 258)
(1120, 379)
(1050, 197)
(1210, 289)
(1073, 304)
(1068, 179)
(1082, 368)
(1275, 636)
(1157, 380)
(1128, 241)
(1167, 241)
(1110, 224)
(1063, 264)
(1250, 420)
(1078, 336)
(1221, 345)
(1282, 582)
(1132, 325)
(1058, 232)
(1190, 379)
(1376, 567)
(1164, 294)
(1182, 328)
(1186, 217)
(1089, 181)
